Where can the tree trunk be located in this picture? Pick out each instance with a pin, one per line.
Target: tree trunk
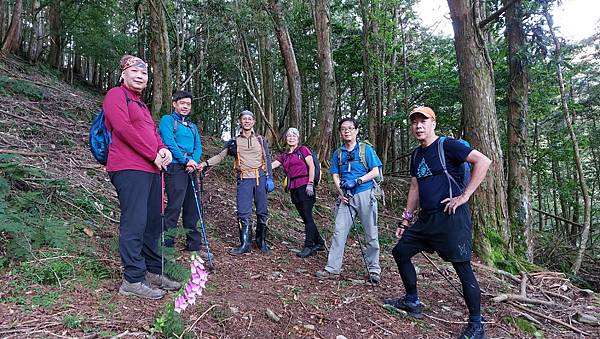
(289, 58)
(37, 27)
(390, 129)
(519, 187)
(3, 10)
(161, 60)
(587, 208)
(266, 62)
(55, 55)
(367, 70)
(327, 86)
(140, 18)
(13, 35)
(489, 208)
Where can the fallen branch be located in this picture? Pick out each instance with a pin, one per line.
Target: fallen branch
(383, 328)
(19, 152)
(558, 321)
(520, 298)
(497, 271)
(31, 121)
(530, 318)
(524, 284)
(195, 322)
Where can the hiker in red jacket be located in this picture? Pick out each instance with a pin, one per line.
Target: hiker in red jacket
(135, 158)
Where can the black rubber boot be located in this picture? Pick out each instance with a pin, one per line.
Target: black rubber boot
(245, 237)
(261, 236)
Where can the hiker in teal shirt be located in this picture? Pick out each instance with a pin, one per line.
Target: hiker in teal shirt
(183, 140)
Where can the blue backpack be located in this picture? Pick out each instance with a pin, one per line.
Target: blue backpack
(101, 137)
(466, 166)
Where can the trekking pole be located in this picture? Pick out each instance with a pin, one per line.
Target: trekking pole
(349, 196)
(442, 273)
(162, 221)
(201, 219)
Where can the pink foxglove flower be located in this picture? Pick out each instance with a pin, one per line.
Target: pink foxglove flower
(180, 304)
(194, 287)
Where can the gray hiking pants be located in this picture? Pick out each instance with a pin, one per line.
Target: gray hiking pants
(363, 204)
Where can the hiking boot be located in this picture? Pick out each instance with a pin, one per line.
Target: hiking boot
(326, 275)
(474, 330)
(140, 289)
(373, 278)
(414, 309)
(162, 282)
(306, 252)
(318, 248)
(245, 238)
(261, 236)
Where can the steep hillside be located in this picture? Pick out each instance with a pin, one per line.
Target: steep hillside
(60, 263)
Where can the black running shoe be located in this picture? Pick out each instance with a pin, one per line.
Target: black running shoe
(473, 331)
(413, 309)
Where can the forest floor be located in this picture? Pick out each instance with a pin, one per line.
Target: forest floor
(72, 291)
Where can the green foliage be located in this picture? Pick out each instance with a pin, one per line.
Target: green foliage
(169, 323)
(525, 326)
(72, 321)
(18, 87)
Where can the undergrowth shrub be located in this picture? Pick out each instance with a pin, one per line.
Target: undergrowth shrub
(11, 86)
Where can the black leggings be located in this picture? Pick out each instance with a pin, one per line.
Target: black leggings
(463, 269)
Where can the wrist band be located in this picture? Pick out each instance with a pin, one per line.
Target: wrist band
(408, 215)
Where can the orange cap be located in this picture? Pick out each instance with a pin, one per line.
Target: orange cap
(426, 111)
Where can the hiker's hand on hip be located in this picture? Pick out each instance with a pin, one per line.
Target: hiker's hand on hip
(453, 203)
(310, 189)
(344, 199)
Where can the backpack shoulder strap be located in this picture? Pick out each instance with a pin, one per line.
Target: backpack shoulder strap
(339, 152)
(175, 123)
(127, 98)
(441, 153)
(362, 154)
(442, 157)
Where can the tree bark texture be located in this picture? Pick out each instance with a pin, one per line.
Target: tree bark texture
(55, 56)
(368, 79)
(266, 63)
(3, 10)
(37, 31)
(587, 208)
(13, 34)
(489, 207)
(161, 60)
(289, 58)
(327, 85)
(519, 187)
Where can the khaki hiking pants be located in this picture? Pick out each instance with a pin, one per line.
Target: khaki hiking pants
(363, 207)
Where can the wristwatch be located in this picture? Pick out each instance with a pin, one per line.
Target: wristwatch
(359, 181)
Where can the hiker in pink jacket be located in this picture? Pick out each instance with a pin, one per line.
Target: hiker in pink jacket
(136, 156)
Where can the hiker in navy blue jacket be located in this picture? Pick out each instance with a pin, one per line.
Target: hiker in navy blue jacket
(183, 140)
(438, 187)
